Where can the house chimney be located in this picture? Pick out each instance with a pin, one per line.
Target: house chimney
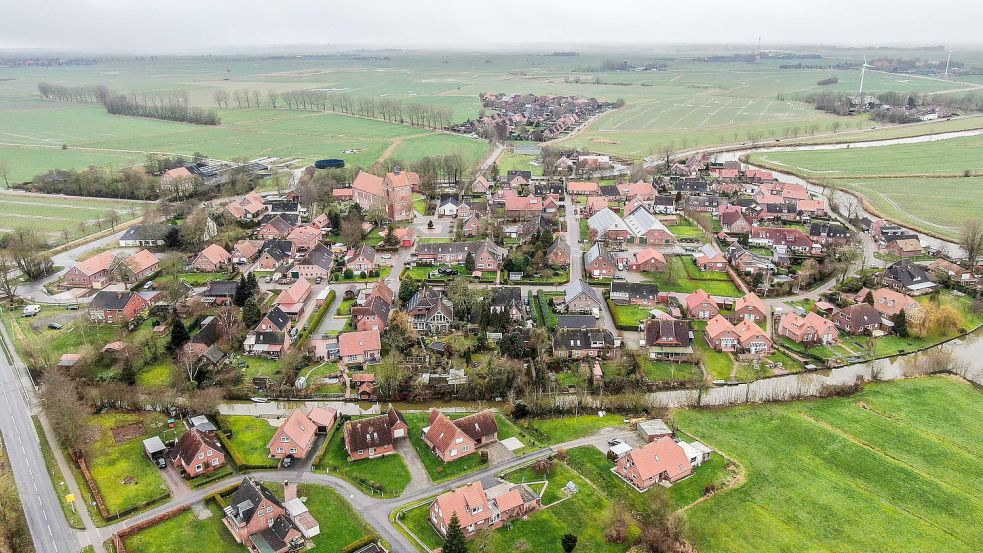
(396, 169)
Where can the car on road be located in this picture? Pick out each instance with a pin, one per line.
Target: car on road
(619, 277)
(269, 278)
(615, 441)
(317, 280)
(387, 256)
(56, 326)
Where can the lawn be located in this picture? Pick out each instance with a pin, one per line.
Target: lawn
(668, 371)
(125, 477)
(417, 520)
(247, 443)
(56, 342)
(565, 429)
(815, 469)
(437, 469)
(157, 374)
(387, 475)
(718, 364)
(627, 317)
(546, 307)
(345, 309)
(687, 278)
(420, 203)
(549, 277)
(340, 523)
(510, 161)
(383, 273)
(202, 279)
(684, 230)
(422, 272)
(185, 532)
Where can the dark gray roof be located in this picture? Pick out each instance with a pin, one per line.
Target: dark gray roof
(269, 338)
(581, 338)
(278, 317)
(506, 295)
(222, 288)
(672, 331)
(828, 230)
(635, 289)
(113, 301)
(908, 273)
(247, 497)
(663, 200)
(575, 321)
(278, 249)
(146, 232)
(320, 256)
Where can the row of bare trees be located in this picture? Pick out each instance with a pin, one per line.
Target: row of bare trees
(75, 94)
(385, 109)
(170, 107)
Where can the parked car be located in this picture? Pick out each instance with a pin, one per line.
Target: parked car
(387, 256)
(269, 278)
(148, 285)
(287, 461)
(317, 280)
(615, 441)
(31, 310)
(56, 326)
(161, 463)
(73, 307)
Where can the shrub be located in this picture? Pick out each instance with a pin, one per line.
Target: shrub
(360, 543)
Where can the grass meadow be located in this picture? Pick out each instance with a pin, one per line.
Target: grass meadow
(895, 467)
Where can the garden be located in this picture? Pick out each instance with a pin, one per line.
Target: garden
(386, 476)
(685, 277)
(246, 439)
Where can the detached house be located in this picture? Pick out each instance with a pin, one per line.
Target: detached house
(139, 266)
(145, 236)
(745, 337)
(376, 436)
(578, 343)
(430, 311)
(583, 188)
(581, 298)
(362, 259)
(904, 276)
(451, 440)
(197, 453)
(859, 318)
(599, 263)
(294, 438)
(666, 338)
(292, 300)
(889, 303)
(212, 259)
(662, 460)
(259, 521)
(649, 260)
(478, 508)
(360, 348)
(709, 258)
(558, 253)
(810, 329)
(95, 272)
(487, 255)
(752, 308)
(699, 305)
(276, 227)
(634, 293)
(316, 264)
(249, 207)
(244, 251)
(275, 253)
(508, 299)
(116, 307)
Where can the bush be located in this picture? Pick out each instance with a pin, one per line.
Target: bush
(360, 543)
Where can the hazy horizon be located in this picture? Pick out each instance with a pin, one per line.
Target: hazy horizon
(184, 27)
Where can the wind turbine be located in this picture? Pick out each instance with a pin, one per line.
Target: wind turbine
(863, 69)
(947, 58)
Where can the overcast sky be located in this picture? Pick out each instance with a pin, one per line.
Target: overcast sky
(221, 26)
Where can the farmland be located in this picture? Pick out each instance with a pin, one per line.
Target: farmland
(919, 185)
(815, 468)
(59, 217)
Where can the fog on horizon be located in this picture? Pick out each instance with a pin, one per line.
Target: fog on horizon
(224, 26)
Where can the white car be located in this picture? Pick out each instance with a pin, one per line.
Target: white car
(387, 256)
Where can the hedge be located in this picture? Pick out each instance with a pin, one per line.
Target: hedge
(315, 321)
(360, 543)
(324, 446)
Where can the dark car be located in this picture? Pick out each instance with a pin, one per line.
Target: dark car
(287, 461)
(56, 326)
(446, 271)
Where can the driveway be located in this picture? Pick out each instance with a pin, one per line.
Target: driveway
(419, 478)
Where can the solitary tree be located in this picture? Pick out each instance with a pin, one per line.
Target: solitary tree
(971, 239)
(179, 336)
(242, 292)
(455, 542)
(569, 542)
(469, 262)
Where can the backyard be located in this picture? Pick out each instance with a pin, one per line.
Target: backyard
(248, 441)
(686, 277)
(814, 468)
(383, 475)
(437, 469)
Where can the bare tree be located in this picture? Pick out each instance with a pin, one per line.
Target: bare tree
(65, 411)
(190, 366)
(971, 240)
(8, 278)
(5, 173)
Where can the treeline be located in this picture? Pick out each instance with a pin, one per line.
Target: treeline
(384, 109)
(839, 103)
(173, 108)
(168, 106)
(130, 183)
(78, 94)
(829, 81)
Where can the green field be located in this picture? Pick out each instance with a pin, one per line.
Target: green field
(918, 185)
(185, 532)
(894, 468)
(61, 218)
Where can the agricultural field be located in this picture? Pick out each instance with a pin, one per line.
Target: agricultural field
(919, 185)
(62, 218)
(912, 448)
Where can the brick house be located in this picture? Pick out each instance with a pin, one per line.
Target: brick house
(580, 343)
(649, 260)
(634, 293)
(608, 226)
(451, 440)
(471, 225)
(575, 188)
(599, 263)
(95, 272)
(292, 300)
(362, 259)
(859, 318)
(317, 263)
(709, 258)
(212, 259)
(139, 266)
(294, 438)
(259, 521)
(699, 305)
(751, 308)
(275, 253)
(662, 460)
(721, 335)
(581, 298)
(666, 338)
(373, 315)
(359, 348)
(487, 255)
(197, 453)
(480, 509)
(376, 436)
(220, 292)
(558, 253)
(810, 329)
(277, 226)
(116, 307)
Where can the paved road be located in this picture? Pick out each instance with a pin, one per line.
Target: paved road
(66, 259)
(49, 528)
